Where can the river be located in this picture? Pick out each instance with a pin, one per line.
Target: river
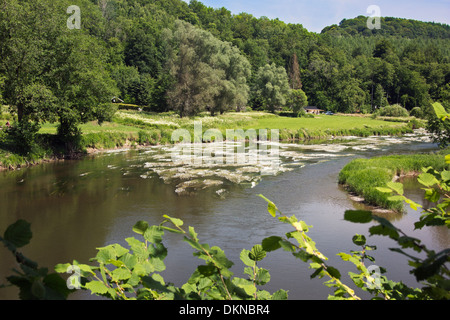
(75, 207)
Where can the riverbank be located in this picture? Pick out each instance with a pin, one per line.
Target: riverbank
(133, 129)
(361, 177)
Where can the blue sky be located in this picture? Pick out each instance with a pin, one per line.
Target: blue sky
(314, 15)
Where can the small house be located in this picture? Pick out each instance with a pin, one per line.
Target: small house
(313, 110)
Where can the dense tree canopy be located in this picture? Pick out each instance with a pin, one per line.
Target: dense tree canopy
(52, 73)
(173, 55)
(207, 73)
(271, 86)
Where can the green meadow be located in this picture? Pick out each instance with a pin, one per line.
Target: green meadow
(132, 122)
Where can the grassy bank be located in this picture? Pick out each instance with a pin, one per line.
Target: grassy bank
(133, 128)
(363, 176)
(318, 127)
(148, 128)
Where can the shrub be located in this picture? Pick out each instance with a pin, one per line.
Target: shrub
(417, 112)
(23, 135)
(395, 110)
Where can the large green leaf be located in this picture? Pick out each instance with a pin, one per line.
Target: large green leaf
(56, 287)
(385, 228)
(129, 260)
(18, 234)
(246, 285)
(157, 264)
(175, 221)
(140, 227)
(447, 158)
(432, 265)
(440, 111)
(271, 207)
(257, 253)
(432, 195)
(105, 254)
(334, 272)
(120, 274)
(445, 175)
(358, 216)
(427, 179)
(396, 186)
(38, 289)
(97, 287)
(262, 276)
(359, 240)
(220, 258)
(280, 295)
(384, 190)
(271, 243)
(153, 234)
(245, 258)
(119, 250)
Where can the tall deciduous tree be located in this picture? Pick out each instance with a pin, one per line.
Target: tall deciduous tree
(207, 73)
(294, 73)
(53, 73)
(298, 100)
(272, 86)
(27, 30)
(233, 88)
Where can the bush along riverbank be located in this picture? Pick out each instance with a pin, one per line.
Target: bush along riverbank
(47, 148)
(362, 177)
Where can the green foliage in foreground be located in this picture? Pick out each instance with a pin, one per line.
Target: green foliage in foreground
(34, 282)
(439, 126)
(122, 273)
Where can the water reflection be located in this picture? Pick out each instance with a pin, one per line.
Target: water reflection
(75, 207)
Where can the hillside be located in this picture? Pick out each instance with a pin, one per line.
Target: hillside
(390, 27)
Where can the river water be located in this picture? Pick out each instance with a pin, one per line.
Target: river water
(75, 207)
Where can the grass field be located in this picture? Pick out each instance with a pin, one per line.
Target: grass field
(325, 122)
(132, 122)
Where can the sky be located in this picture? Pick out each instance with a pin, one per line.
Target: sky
(314, 15)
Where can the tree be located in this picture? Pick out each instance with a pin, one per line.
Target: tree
(127, 78)
(207, 73)
(52, 73)
(294, 73)
(27, 30)
(298, 100)
(272, 86)
(82, 84)
(141, 50)
(379, 97)
(233, 87)
(192, 77)
(351, 96)
(413, 88)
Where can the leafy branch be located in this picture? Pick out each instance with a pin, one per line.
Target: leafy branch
(33, 282)
(306, 250)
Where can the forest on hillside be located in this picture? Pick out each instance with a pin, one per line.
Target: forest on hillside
(168, 55)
